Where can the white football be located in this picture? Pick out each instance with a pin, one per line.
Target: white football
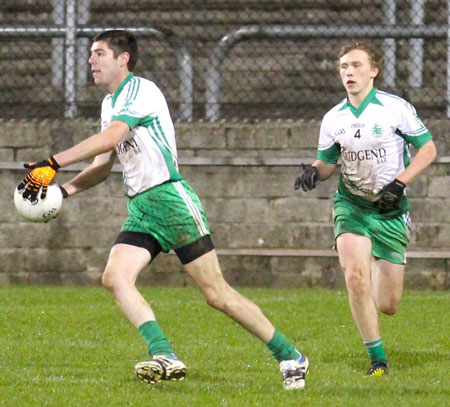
(41, 210)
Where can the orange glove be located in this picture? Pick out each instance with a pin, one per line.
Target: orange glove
(42, 175)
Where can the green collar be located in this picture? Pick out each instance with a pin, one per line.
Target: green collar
(370, 98)
(119, 89)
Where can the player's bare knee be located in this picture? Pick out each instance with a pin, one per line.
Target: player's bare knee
(356, 283)
(108, 280)
(389, 308)
(219, 300)
(111, 279)
(215, 300)
(389, 311)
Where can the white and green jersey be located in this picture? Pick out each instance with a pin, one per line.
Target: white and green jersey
(372, 141)
(148, 153)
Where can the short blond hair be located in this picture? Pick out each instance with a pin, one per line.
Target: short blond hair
(375, 58)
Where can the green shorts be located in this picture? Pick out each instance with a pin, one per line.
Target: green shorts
(170, 212)
(389, 236)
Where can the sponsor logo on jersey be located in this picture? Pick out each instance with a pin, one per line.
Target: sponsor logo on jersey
(127, 145)
(378, 154)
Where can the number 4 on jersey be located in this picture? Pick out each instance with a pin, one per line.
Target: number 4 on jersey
(357, 134)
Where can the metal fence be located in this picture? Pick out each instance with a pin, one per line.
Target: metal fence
(222, 59)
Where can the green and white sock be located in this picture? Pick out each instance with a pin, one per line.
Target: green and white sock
(376, 352)
(157, 342)
(282, 349)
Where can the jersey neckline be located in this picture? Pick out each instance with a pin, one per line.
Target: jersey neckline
(119, 89)
(370, 98)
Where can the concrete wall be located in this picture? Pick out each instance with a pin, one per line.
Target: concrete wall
(266, 233)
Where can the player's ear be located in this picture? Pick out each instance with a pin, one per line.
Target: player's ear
(124, 58)
(375, 71)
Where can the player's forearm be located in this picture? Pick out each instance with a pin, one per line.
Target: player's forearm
(423, 158)
(84, 180)
(92, 175)
(325, 170)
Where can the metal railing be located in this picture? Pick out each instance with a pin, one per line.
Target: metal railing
(227, 42)
(417, 13)
(71, 32)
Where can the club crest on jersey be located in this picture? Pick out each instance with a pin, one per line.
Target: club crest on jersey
(377, 130)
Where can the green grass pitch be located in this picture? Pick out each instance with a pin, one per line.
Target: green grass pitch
(70, 346)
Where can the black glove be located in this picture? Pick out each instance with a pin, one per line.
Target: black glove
(307, 178)
(391, 194)
(41, 176)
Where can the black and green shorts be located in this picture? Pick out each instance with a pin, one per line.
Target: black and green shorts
(168, 216)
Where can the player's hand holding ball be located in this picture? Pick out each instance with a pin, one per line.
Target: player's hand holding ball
(41, 176)
(42, 209)
(45, 206)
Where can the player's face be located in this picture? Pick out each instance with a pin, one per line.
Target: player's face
(105, 68)
(356, 72)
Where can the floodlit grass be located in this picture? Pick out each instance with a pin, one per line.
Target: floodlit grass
(70, 346)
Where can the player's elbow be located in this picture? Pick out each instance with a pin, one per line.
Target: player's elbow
(108, 146)
(433, 151)
(107, 143)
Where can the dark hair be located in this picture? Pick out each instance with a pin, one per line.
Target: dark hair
(121, 41)
(375, 58)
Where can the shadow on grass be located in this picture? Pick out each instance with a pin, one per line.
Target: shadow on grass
(401, 358)
(413, 358)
